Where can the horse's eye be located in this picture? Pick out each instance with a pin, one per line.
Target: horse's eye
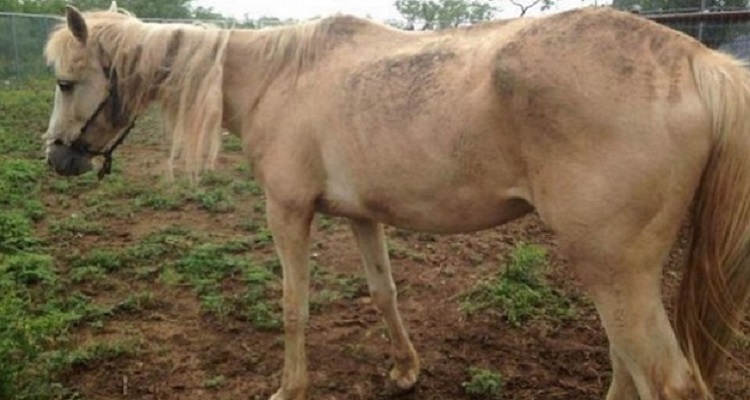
(65, 86)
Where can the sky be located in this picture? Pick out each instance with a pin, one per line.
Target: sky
(378, 9)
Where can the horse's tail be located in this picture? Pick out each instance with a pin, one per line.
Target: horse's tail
(716, 283)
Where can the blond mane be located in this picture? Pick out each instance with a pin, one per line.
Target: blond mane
(179, 64)
(294, 48)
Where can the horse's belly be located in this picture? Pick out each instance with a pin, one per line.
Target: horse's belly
(440, 213)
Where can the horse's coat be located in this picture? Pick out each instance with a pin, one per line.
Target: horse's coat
(606, 124)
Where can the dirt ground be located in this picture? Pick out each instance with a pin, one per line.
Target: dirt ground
(182, 348)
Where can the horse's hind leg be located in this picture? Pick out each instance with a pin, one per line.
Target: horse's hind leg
(622, 387)
(619, 262)
(371, 241)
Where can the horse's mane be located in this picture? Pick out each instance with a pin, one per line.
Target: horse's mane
(180, 64)
(293, 48)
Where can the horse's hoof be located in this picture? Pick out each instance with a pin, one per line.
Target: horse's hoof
(282, 395)
(404, 381)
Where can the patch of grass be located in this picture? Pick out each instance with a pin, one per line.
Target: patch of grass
(19, 183)
(262, 236)
(135, 303)
(232, 144)
(29, 269)
(253, 304)
(215, 383)
(519, 291)
(75, 225)
(206, 265)
(87, 274)
(160, 200)
(37, 309)
(25, 109)
(169, 276)
(15, 233)
(246, 186)
(215, 200)
(100, 352)
(34, 318)
(484, 384)
(103, 259)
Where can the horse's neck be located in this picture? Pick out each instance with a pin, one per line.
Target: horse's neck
(247, 75)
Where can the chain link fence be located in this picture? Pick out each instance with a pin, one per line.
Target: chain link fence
(726, 30)
(22, 39)
(22, 36)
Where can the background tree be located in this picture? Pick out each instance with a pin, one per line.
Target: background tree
(439, 14)
(525, 6)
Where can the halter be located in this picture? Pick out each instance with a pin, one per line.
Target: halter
(116, 117)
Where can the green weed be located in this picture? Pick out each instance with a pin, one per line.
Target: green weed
(75, 225)
(214, 383)
(105, 260)
(519, 292)
(484, 384)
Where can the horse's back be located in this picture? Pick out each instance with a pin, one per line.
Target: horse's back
(468, 128)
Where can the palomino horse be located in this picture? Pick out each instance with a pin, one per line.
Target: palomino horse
(611, 127)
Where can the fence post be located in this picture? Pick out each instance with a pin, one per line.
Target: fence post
(14, 36)
(700, 25)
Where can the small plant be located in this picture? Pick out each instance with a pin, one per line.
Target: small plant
(519, 291)
(75, 225)
(102, 351)
(484, 384)
(105, 260)
(215, 200)
(136, 302)
(214, 383)
(253, 304)
(159, 201)
(15, 233)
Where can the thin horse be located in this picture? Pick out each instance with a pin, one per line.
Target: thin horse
(611, 127)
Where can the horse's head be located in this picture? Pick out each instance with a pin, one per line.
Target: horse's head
(87, 118)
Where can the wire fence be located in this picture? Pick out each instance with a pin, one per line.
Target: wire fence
(22, 36)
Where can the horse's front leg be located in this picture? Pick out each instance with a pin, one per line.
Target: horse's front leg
(371, 241)
(290, 228)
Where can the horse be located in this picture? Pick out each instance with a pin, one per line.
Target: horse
(612, 128)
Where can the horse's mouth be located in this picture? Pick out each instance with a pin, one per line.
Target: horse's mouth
(68, 161)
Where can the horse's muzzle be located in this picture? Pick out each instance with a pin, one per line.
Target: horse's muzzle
(68, 161)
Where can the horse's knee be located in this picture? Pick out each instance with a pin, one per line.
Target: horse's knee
(383, 297)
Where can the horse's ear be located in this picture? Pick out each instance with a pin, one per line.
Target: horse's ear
(113, 6)
(76, 23)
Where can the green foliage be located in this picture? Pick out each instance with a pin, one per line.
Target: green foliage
(34, 318)
(75, 225)
(215, 382)
(15, 233)
(38, 305)
(484, 384)
(100, 259)
(519, 292)
(440, 14)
